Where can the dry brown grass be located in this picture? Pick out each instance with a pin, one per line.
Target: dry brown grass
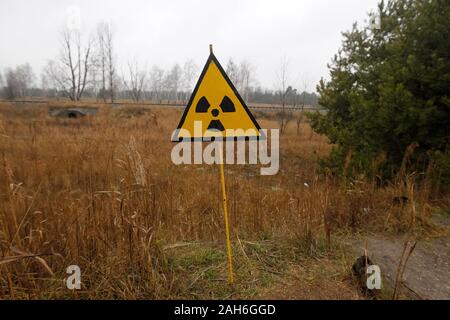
(101, 192)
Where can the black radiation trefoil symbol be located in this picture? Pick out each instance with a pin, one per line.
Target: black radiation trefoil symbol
(226, 106)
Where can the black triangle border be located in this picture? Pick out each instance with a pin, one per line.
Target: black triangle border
(212, 58)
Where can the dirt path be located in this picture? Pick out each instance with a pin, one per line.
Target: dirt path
(321, 279)
(427, 274)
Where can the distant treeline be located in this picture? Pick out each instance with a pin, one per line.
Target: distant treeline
(88, 67)
(254, 95)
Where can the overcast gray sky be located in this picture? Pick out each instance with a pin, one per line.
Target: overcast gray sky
(306, 32)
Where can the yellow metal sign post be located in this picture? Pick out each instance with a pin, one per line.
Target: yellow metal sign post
(225, 214)
(216, 103)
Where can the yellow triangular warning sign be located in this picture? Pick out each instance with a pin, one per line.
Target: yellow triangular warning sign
(216, 109)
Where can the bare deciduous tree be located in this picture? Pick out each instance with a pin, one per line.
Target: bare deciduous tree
(283, 92)
(47, 90)
(11, 89)
(156, 82)
(242, 76)
(173, 81)
(18, 80)
(106, 60)
(302, 104)
(232, 71)
(2, 85)
(94, 76)
(136, 81)
(246, 78)
(70, 71)
(189, 72)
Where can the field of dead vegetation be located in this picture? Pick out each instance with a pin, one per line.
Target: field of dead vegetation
(102, 193)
